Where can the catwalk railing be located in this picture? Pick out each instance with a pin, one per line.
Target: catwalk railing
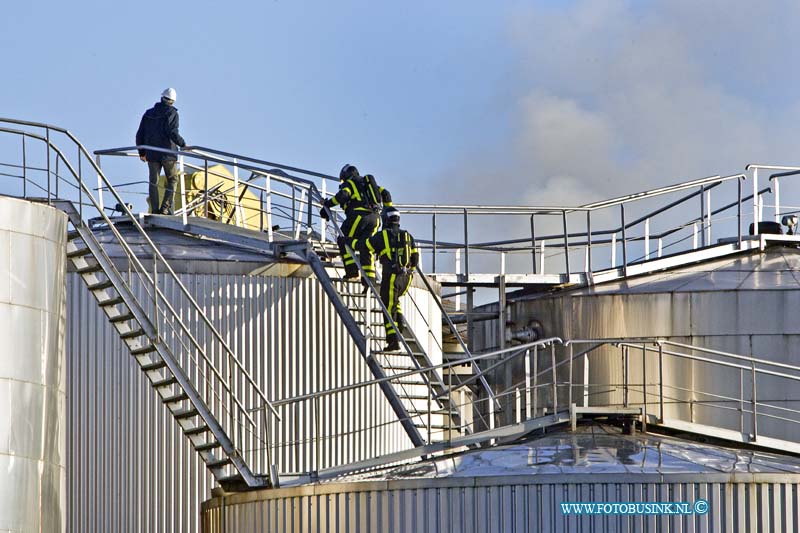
(286, 201)
(736, 398)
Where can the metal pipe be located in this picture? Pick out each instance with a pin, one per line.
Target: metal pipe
(755, 202)
(205, 186)
(644, 388)
(24, 169)
(754, 402)
(703, 213)
(47, 145)
(553, 367)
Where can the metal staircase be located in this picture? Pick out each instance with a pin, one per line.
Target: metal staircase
(173, 355)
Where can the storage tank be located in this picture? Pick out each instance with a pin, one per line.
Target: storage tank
(32, 369)
(520, 488)
(131, 468)
(747, 304)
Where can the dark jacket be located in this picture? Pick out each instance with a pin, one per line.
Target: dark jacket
(159, 127)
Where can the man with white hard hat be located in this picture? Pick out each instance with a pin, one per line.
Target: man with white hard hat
(159, 129)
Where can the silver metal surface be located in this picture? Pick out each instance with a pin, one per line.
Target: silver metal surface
(519, 488)
(32, 369)
(131, 469)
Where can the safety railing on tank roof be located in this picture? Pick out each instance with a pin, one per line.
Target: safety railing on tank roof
(158, 287)
(745, 399)
(306, 200)
(617, 240)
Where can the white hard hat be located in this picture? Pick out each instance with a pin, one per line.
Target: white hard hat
(170, 94)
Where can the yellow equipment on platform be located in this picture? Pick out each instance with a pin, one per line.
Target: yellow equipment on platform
(222, 204)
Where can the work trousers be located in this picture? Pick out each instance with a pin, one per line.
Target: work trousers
(359, 226)
(170, 167)
(393, 286)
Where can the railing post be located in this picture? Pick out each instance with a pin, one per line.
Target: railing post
(433, 231)
(661, 382)
(541, 257)
(457, 260)
(100, 204)
(741, 401)
(25, 170)
(647, 239)
(527, 384)
(80, 185)
(644, 388)
(708, 217)
(694, 236)
(660, 248)
(739, 212)
(317, 437)
(294, 209)
(182, 179)
(755, 202)
(430, 402)
(268, 189)
(624, 241)
(614, 250)
(155, 292)
(322, 224)
(466, 245)
(553, 371)
(47, 137)
(569, 391)
(703, 212)
(624, 376)
(535, 378)
(566, 242)
(589, 241)
(205, 187)
(236, 204)
(533, 244)
(776, 191)
(754, 401)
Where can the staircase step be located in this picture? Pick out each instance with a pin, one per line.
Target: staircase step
(219, 463)
(89, 269)
(165, 382)
(78, 252)
(207, 446)
(176, 398)
(154, 366)
(185, 413)
(143, 350)
(131, 334)
(111, 301)
(122, 317)
(105, 284)
(197, 430)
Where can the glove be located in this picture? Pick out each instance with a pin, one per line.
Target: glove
(323, 213)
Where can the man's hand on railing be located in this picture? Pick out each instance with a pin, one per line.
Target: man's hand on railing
(323, 213)
(143, 158)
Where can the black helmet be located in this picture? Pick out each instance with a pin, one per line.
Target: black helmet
(348, 171)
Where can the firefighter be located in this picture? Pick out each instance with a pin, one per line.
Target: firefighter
(399, 256)
(361, 198)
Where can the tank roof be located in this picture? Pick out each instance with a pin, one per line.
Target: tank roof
(593, 449)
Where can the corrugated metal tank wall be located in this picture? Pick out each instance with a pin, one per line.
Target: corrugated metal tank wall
(130, 468)
(764, 503)
(32, 369)
(755, 317)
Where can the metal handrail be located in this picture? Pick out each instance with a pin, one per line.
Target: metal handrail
(158, 256)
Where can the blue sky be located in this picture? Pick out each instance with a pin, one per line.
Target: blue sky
(502, 102)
